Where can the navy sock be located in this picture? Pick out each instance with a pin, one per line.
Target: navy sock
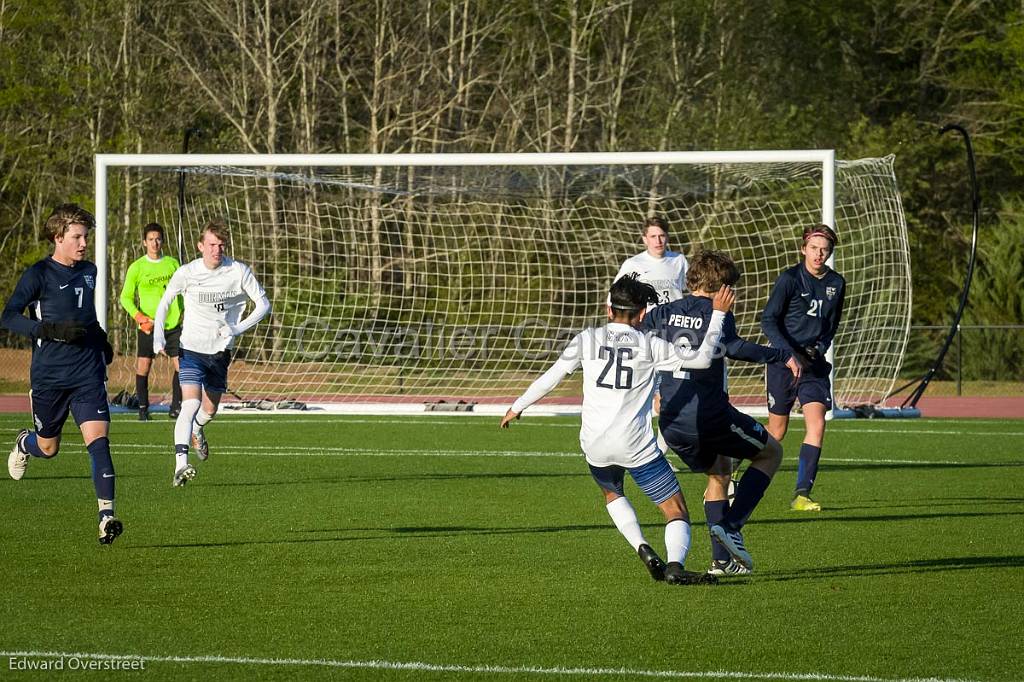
(102, 468)
(749, 492)
(31, 445)
(714, 512)
(142, 391)
(175, 392)
(807, 470)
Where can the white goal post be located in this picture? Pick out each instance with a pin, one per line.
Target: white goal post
(407, 278)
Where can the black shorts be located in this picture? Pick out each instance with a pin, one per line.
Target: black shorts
(172, 343)
(50, 407)
(733, 434)
(814, 387)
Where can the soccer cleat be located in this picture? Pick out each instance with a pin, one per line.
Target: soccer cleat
(675, 575)
(732, 540)
(200, 445)
(17, 461)
(804, 503)
(110, 528)
(727, 567)
(173, 412)
(184, 475)
(143, 414)
(652, 561)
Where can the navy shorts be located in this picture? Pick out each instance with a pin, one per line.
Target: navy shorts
(208, 371)
(732, 434)
(50, 407)
(655, 479)
(814, 387)
(172, 343)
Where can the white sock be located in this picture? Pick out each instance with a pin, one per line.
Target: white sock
(201, 420)
(677, 541)
(106, 505)
(625, 520)
(183, 430)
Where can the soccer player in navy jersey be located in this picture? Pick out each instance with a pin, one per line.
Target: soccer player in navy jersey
(70, 353)
(697, 420)
(801, 317)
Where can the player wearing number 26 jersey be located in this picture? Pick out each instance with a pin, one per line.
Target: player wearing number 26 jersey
(620, 365)
(619, 368)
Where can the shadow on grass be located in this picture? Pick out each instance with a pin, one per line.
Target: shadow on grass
(827, 517)
(390, 534)
(897, 568)
(408, 477)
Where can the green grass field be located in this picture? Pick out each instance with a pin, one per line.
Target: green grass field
(430, 548)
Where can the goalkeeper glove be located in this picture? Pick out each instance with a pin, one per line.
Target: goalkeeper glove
(145, 322)
(64, 332)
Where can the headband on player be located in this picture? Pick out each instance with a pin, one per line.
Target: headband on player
(821, 231)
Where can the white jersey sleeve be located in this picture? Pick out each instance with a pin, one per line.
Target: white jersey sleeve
(254, 290)
(174, 287)
(568, 362)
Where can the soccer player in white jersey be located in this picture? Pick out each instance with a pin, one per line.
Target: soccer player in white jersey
(215, 290)
(663, 269)
(619, 367)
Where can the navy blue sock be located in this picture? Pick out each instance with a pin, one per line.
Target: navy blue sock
(714, 512)
(31, 445)
(175, 392)
(102, 468)
(807, 470)
(749, 492)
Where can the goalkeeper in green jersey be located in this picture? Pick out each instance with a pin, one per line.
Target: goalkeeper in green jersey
(146, 281)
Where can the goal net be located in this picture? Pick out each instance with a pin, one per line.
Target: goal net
(416, 279)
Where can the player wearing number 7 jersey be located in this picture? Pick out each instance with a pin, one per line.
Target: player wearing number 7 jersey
(619, 368)
(215, 290)
(801, 317)
(69, 357)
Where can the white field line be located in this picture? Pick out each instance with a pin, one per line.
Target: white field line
(275, 451)
(848, 430)
(838, 426)
(485, 669)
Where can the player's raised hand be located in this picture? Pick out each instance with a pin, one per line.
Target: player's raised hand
(724, 299)
(509, 417)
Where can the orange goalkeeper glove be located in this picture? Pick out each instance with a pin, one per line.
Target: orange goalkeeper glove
(145, 323)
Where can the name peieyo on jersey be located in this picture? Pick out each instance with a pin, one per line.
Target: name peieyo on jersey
(686, 321)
